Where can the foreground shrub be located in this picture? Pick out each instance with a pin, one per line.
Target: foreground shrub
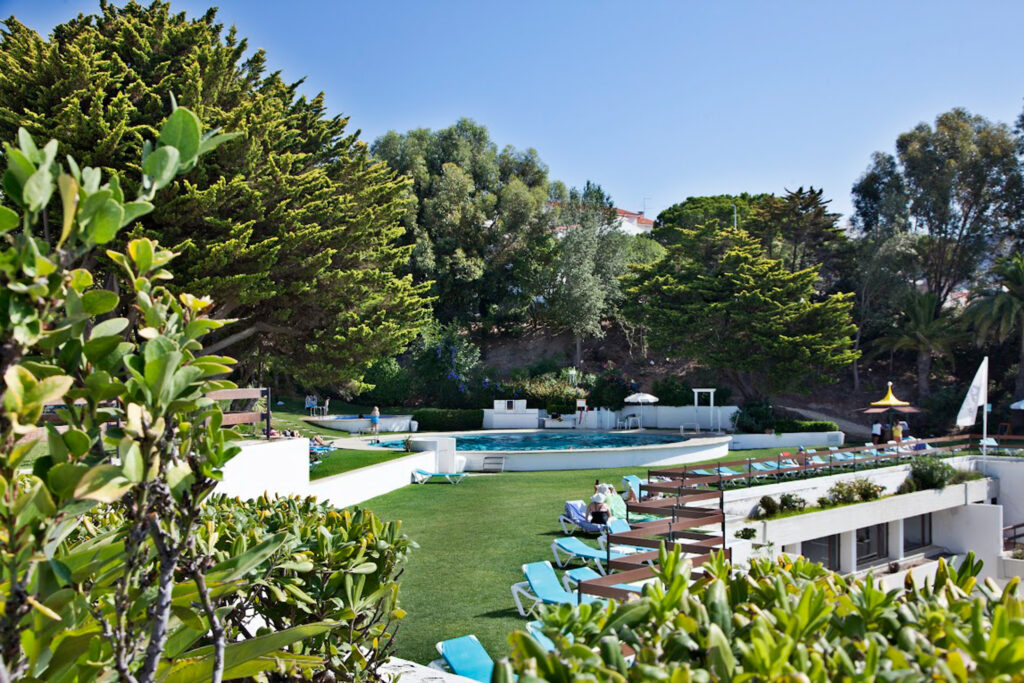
(790, 502)
(790, 426)
(767, 507)
(448, 419)
(930, 473)
(786, 620)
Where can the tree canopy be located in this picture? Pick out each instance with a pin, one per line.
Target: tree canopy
(292, 228)
(478, 220)
(717, 298)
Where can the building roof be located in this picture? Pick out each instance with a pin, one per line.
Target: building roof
(637, 216)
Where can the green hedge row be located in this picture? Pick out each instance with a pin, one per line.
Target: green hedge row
(785, 426)
(448, 419)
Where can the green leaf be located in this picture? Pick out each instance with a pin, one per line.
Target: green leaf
(105, 223)
(68, 187)
(236, 567)
(133, 210)
(99, 301)
(183, 131)
(77, 441)
(141, 252)
(197, 665)
(161, 166)
(213, 140)
(64, 477)
(38, 190)
(109, 327)
(8, 220)
(132, 465)
(103, 483)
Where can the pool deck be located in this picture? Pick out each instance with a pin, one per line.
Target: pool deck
(690, 448)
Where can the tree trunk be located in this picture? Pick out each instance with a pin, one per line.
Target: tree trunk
(924, 366)
(579, 351)
(856, 362)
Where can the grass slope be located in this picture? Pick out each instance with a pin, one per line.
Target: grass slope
(473, 540)
(348, 459)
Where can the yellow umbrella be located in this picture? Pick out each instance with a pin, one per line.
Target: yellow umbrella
(890, 401)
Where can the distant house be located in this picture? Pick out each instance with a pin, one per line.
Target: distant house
(629, 222)
(634, 222)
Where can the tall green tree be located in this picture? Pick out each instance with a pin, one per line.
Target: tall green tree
(292, 228)
(997, 310)
(927, 330)
(478, 221)
(957, 183)
(723, 209)
(583, 281)
(715, 297)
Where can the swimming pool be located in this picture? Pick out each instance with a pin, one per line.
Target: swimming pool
(544, 441)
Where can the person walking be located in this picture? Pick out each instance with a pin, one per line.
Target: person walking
(876, 432)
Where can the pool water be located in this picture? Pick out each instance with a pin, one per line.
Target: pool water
(542, 441)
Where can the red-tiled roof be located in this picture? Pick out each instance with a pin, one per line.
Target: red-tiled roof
(636, 216)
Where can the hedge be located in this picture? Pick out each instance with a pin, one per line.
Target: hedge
(788, 426)
(448, 419)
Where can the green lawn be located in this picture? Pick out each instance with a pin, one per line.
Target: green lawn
(473, 539)
(348, 459)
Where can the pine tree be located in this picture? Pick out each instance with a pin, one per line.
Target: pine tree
(292, 228)
(718, 299)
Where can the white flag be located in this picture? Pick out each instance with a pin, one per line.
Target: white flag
(977, 397)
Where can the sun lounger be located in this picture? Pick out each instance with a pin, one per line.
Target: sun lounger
(575, 517)
(422, 476)
(817, 460)
(465, 656)
(574, 548)
(534, 629)
(633, 482)
(542, 586)
(572, 577)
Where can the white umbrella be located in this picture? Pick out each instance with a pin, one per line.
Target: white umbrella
(1019, 405)
(641, 398)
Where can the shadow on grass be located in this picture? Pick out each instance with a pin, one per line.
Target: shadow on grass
(499, 613)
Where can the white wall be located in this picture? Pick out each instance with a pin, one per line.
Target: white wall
(977, 528)
(523, 419)
(787, 440)
(1010, 472)
(350, 488)
(674, 417)
(267, 466)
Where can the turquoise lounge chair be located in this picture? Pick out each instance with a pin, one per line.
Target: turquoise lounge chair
(465, 656)
(542, 586)
(534, 629)
(572, 577)
(574, 548)
(422, 476)
(575, 517)
(633, 482)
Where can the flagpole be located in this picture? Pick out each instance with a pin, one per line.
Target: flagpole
(984, 420)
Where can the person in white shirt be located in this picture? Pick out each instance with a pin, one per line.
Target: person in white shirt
(876, 432)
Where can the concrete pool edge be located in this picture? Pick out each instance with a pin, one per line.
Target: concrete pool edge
(693, 449)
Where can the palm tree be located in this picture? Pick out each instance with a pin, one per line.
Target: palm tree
(926, 329)
(998, 310)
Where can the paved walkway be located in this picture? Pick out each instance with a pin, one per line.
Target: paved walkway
(851, 428)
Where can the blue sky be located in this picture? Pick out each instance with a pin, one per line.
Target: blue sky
(655, 100)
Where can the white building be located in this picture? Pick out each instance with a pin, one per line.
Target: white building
(634, 222)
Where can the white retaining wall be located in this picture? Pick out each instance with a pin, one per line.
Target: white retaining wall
(1010, 472)
(350, 488)
(673, 417)
(977, 528)
(787, 440)
(267, 466)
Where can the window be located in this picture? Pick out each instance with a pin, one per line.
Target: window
(917, 532)
(824, 550)
(510, 406)
(872, 544)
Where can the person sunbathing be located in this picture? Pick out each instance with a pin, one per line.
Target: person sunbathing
(598, 511)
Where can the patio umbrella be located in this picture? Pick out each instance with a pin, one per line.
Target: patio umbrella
(1019, 405)
(889, 404)
(641, 398)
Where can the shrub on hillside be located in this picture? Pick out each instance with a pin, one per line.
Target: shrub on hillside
(791, 426)
(392, 384)
(673, 391)
(544, 365)
(448, 419)
(446, 364)
(754, 417)
(611, 389)
(930, 473)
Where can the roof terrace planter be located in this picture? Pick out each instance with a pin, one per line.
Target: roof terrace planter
(818, 522)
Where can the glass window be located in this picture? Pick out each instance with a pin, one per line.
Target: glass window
(872, 544)
(824, 550)
(917, 532)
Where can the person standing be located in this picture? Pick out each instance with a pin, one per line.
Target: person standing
(897, 431)
(876, 432)
(375, 420)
